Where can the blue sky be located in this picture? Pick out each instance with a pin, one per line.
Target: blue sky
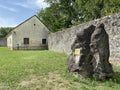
(14, 12)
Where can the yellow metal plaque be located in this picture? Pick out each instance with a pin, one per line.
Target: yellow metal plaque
(77, 52)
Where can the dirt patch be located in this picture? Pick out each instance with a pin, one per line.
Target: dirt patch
(1, 85)
(55, 82)
(51, 81)
(27, 83)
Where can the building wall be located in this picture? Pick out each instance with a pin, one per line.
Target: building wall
(61, 41)
(10, 42)
(3, 42)
(32, 29)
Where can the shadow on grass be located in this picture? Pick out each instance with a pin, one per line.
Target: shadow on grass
(116, 78)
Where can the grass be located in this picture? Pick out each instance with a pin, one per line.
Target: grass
(45, 70)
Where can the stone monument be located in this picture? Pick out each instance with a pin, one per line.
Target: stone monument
(90, 54)
(100, 50)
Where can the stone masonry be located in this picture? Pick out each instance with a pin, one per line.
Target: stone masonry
(61, 41)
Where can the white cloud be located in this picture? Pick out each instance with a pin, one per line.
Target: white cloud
(41, 3)
(21, 5)
(7, 22)
(8, 8)
(32, 4)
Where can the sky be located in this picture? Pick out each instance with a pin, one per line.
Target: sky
(14, 12)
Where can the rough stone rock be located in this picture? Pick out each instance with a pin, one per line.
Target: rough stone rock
(90, 54)
(100, 50)
(81, 63)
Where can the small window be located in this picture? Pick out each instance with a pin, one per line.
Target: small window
(43, 41)
(26, 40)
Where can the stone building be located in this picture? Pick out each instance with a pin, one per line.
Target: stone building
(31, 34)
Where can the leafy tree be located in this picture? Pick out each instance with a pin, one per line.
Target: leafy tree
(65, 13)
(51, 18)
(60, 14)
(4, 31)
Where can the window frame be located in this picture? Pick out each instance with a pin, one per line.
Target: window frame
(44, 41)
(26, 41)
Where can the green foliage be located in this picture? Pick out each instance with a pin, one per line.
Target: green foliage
(4, 31)
(60, 14)
(51, 18)
(65, 13)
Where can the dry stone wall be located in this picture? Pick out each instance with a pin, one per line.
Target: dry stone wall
(61, 41)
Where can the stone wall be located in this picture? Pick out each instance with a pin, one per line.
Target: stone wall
(61, 41)
(3, 42)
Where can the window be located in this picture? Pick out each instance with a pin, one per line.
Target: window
(26, 40)
(43, 41)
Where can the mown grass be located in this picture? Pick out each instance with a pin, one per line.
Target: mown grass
(45, 70)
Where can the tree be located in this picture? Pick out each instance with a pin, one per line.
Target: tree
(4, 31)
(60, 14)
(65, 13)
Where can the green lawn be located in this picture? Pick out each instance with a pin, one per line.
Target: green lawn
(45, 70)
